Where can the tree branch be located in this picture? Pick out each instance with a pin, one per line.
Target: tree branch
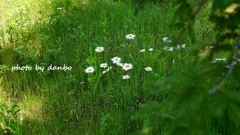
(192, 18)
(233, 63)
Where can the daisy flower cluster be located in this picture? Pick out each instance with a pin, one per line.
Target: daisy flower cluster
(103, 65)
(218, 59)
(117, 61)
(125, 66)
(169, 48)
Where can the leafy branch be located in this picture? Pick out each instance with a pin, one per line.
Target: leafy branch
(191, 19)
(230, 70)
(190, 107)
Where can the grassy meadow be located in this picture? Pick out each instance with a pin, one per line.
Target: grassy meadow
(78, 34)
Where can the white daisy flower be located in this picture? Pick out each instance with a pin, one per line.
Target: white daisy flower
(183, 45)
(119, 64)
(99, 49)
(89, 70)
(105, 71)
(178, 47)
(168, 48)
(165, 39)
(148, 69)
(116, 60)
(130, 36)
(104, 65)
(143, 50)
(220, 59)
(109, 68)
(150, 49)
(127, 66)
(126, 77)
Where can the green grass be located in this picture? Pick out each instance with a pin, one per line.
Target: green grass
(67, 32)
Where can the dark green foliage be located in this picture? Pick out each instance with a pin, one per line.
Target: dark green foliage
(205, 99)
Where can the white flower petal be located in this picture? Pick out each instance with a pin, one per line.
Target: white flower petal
(89, 70)
(116, 60)
(127, 66)
(99, 49)
(165, 39)
(104, 65)
(119, 64)
(130, 36)
(143, 50)
(178, 47)
(126, 77)
(150, 49)
(148, 69)
(183, 45)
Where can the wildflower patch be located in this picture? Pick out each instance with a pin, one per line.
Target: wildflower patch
(129, 66)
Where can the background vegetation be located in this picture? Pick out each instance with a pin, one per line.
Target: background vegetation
(185, 93)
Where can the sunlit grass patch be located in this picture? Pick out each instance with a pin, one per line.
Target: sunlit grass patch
(19, 19)
(31, 109)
